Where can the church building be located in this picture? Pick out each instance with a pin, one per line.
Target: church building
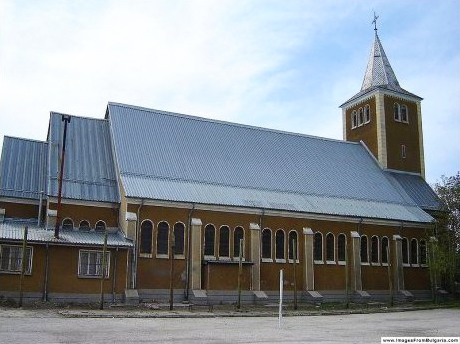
(181, 201)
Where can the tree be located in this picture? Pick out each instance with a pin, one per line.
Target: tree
(445, 251)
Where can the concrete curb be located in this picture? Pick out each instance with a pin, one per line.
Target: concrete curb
(227, 314)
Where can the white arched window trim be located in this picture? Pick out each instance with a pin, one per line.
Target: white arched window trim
(100, 221)
(407, 251)
(381, 252)
(280, 260)
(267, 260)
(230, 232)
(209, 257)
(367, 250)
(322, 248)
(145, 254)
(232, 241)
(89, 224)
(417, 253)
(180, 256)
(330, 262)
(68, 219)
(354, 119)
(372, 251)
(341, 262)
(290, 246)
(162, 255)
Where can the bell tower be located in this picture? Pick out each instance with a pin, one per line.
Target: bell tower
(386, 117)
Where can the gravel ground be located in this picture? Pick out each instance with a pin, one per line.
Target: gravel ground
(50, 326)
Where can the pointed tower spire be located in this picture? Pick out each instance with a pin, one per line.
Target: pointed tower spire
(379, 71)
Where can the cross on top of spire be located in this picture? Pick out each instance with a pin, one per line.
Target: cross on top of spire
(375, 22)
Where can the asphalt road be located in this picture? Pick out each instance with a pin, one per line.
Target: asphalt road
(45, 326)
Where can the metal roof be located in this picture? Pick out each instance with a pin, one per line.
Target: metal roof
(168, 156)
(89, 171)
(379, 74)
(22, 168)
(14, 231)
(418, 189)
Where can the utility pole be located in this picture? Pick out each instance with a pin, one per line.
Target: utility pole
(66, 120)
(294, 258)
(240, 273)
(347, 287)
(171, 273)
(104, 267)
(390, 284)
(23, 265)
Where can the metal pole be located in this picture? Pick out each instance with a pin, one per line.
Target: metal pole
(347, 288)
(294, 256)
(66, 120)
(390, 285)
(23, 265)
(104, 266)
(114, 278)
(280, 310)
(171, 273)
(240, 272)
(45, 283)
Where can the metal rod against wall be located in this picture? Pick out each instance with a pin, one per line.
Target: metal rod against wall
(390, 285)
(187, 261)
(45, 282)
(66, 120)
(23, 265)
(104, 267)
(114, 274)
(294, 258)
(347, 287)
(240, 272)
(171, 272)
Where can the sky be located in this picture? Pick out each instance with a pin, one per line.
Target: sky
(285, 65)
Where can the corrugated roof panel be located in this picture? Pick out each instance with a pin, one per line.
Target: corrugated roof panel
(418, 190)
(23, 168)
(89, 171)
(14, 231)
(164, 145)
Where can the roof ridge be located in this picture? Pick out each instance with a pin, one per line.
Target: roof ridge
(24, 139)
(79, 117)
(232, 124)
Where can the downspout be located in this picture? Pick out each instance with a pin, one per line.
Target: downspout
(187, 261)
(136, 245)
(45, 281)
(40, 206)
(114, 274)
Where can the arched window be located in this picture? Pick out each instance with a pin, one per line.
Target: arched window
(330, 247)
(179, 239)
(267, 243)
(238, 234)
(354, 119)
(367, 114)
(397, 112)
(162, 238)
(146, 237)
(341, 247)
(84, 226)
(374, 249)
(422, 248)
(385, 250)
(364, 250)
(318, 246)
(67, 224)
(100, 226)
(209, 237)
(224, 245)
(414, 251)
(292, 240)
(360, 116)
(404, 114)
(405, 251)
(279, 248)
